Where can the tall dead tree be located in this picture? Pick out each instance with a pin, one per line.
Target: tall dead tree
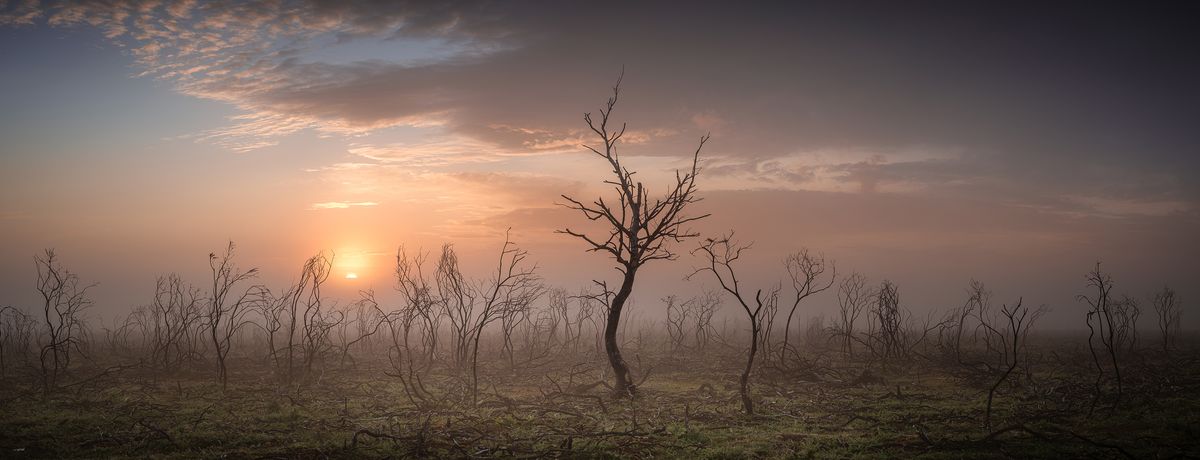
(1167, 306)
(677, 316)
(63, 301)
(1126, 312)
(1008, 332)
(225, 315)
(979, 299)
(639, 228)
(1100, 321)
(316, 322)
(458, 298)
(853, 296)
(720, 256)
(176, 309)
(16, 332)
(513, 287)
(888, 323)
(422, 301)
(705, 307)
(302, 305)
(805, 271)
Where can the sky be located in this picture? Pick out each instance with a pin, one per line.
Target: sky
(928, 143)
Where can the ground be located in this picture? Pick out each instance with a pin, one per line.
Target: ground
(687, 407)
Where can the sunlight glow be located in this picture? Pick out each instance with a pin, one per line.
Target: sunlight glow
(352, 276)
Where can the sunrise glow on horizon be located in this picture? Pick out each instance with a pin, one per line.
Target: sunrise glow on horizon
(567, 229)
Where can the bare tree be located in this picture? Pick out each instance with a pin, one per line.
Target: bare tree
(63, 302)
(272, 308)
(1011, 338)
(720, 256)
(591, 307)
(366, 320)
(639, 227)
(677, 318)
(805, 271)
(400, 353)
(705, 307)
(888, 323)
(458, 299)
(1126, 312)
(1168, 308)
(584, 313)
(307, 324)
(853, 298)
(514, 287)
(175, 310)
(421, 299)
(510, 320)
(979, 299)
(559, 306)
(1100, 320)
(767, 325)
(16, 333)
(225, 315)
(317, 322)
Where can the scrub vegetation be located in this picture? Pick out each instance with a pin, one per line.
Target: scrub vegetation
(449, 365)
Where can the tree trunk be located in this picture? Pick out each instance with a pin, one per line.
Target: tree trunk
(747, 403)
(622, 386)
(787, 330)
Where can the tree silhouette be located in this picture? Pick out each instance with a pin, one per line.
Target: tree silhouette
(639, 227)
(720, 255)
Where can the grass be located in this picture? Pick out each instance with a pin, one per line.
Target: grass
(688, 408)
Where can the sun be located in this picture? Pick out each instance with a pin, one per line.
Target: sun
(352, 276)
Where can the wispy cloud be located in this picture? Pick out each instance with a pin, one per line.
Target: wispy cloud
(342, 204)
(488, 80)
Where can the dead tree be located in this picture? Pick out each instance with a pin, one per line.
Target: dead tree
(1011, 337)
(458, 299)
(224, 314)
(317, 323)
(367, 323)
(640, 228)
(853, 297)
(513, 287)
(510, 320)
(720, 256)
(805, 271)
(558, 306)
(304, 325)
(401, 356)
(888, 324)
(421, 298)
(767, 321)
(978, 300)
(705, 307)
(175, 311)
(1126, 312)
(677, 316)
(1100, 322)
(1168, 308)
(272, 308)
(584, 313)
(63, 302)
(591, 308)
(17, 330)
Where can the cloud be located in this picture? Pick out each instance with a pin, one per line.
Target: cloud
(19, 13)
(342, 204)
(1027, 110)
(438, 152)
